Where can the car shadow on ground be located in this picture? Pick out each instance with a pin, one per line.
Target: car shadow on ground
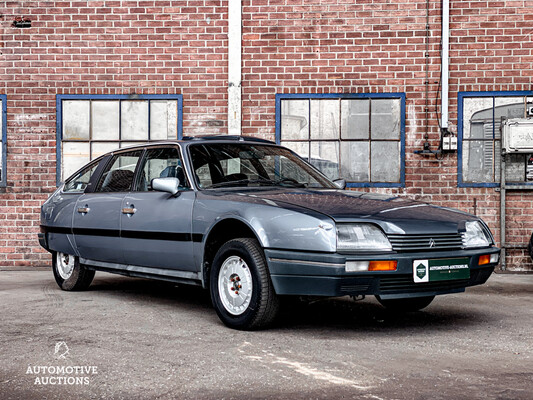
(342, 314)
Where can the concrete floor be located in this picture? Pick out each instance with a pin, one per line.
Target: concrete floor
(157, 340)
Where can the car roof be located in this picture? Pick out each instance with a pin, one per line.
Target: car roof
(198, 140)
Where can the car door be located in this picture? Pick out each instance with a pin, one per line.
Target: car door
(96, 220)
(156, 226)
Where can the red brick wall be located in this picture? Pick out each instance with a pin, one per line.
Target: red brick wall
(377, 46)
(97, 47)
(297, 46)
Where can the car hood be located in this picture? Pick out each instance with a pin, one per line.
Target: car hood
(394, 214)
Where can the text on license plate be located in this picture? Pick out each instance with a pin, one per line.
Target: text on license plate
(441, 269)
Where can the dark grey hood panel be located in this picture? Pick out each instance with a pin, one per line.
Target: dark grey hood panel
(391, 213)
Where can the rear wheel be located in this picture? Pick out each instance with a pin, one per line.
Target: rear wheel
(406, 304)
(240, 286)
(69, 273)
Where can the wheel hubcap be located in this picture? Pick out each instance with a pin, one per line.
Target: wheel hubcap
(65, 265)
(235, 285)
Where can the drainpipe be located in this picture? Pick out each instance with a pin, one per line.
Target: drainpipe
(234, 67)
(445, 64)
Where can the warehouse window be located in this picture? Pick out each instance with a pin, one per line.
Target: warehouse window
(91, 125)
(3, 145)
(479, 122)
(359, 137)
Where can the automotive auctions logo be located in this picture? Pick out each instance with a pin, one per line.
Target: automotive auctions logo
(421, 271)
(61, 350)
(62, 374)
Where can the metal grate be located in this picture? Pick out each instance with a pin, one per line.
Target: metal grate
(405, 284)
(426, 242)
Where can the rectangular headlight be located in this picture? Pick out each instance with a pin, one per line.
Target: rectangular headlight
(475, 235)
(363, 237)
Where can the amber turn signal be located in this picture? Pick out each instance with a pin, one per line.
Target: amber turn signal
(484, 259)
(382, 265)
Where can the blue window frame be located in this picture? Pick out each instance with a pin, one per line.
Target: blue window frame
(479, 143)
(359, 137)
(3, 148)
(90, 125)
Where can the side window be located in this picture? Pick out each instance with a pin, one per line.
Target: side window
(161, 163)
(79, 182)
(118, 176)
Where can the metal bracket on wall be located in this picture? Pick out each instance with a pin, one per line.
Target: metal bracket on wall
(503, 193)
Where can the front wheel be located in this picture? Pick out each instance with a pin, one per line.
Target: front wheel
(407, 304)
(69, 273)
(240, 286)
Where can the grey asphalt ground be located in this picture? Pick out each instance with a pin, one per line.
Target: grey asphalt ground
(154, 340)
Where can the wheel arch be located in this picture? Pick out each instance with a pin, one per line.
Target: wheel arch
(221, 232)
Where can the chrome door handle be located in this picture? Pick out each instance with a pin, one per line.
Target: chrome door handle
(129, 210)
(84, 210)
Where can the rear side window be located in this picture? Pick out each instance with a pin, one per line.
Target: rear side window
(80, 181)
(118, 175)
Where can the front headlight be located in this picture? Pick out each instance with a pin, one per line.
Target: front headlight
(362, 237)
(475, 235)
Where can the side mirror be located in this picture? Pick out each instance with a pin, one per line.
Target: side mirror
(341, 183)
(169, 185)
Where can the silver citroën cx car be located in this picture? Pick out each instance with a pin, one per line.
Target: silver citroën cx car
(251, 221)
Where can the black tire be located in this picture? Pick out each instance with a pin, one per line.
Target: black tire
(79, 279)
(408, 304)
(263, 305)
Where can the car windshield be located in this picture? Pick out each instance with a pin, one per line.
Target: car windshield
(220, 165)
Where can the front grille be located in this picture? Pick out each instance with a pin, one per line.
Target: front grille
(353, 289)
(426, 242)
(405, 284)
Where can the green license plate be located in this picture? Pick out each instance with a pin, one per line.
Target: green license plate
(443, 269)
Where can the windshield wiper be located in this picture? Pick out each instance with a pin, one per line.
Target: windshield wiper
(263, 181)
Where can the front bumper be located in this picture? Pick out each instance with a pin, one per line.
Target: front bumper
(324, 274)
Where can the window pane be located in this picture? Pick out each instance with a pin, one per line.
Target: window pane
(76, 117)
(515, 168)
(477, 117)
(300, 148)
(79, 182)
(105, 120)
(119, 177)
(355, 118)
(75, 156)
(163, 119)
(325, 119)
(478, 161)
(97, 149)
(509, 107)
(385, 119)
(295, 119)
(325, 157)
(134, 120)
(128, 144)
(161, 163)
(385, 161)
(355, 157)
